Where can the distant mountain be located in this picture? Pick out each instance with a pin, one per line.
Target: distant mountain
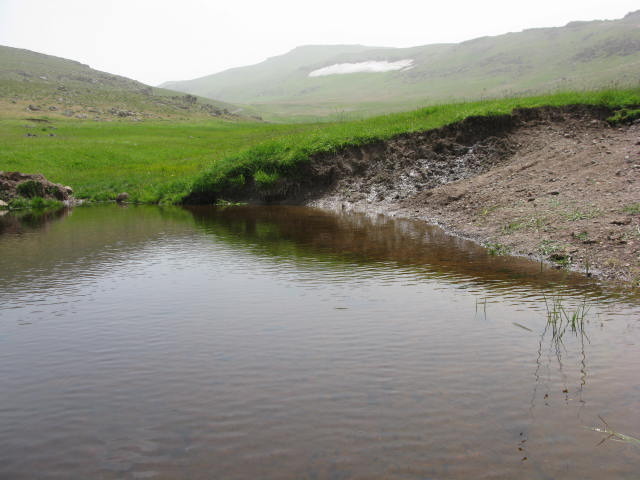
(33, 83)
(313, 80)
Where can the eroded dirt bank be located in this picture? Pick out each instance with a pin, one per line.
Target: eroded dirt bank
(554, 183)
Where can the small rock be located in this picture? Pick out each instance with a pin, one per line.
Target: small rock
(68, 189)
(122, 197)
(34, 108)
(553, 193)
(3, 204)
(621, 221)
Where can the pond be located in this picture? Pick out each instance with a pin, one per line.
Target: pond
(275, 342)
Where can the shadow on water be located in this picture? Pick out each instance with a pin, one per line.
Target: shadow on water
(359, 239)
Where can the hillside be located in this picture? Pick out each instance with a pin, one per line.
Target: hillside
(32, 83)
(580, 55)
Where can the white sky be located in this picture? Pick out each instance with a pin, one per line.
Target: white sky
(159, 40)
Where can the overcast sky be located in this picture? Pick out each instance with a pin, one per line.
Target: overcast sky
(156, 40)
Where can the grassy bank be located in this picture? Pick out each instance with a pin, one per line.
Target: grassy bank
(269, 161)
(163, 162)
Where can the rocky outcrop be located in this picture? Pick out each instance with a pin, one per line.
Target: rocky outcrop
(21, 185)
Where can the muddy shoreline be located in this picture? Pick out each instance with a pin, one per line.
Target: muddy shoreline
(555, 184)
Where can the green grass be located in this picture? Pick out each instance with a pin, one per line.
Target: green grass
(633, 208)
(152, 161)
(560, 318)
(162, 161)
(496, 249)
(576, 215)
(36, 203)
(582, 236)
(513, 227)
(555, 252)
(624, 116)
(282, 155)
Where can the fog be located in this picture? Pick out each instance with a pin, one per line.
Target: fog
(155, 41)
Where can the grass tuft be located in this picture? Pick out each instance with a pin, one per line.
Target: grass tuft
(36, 203)
(496, 249)
(624, 115)
(633, 208)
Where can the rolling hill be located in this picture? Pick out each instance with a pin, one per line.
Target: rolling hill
(33, 83)
(311, 81)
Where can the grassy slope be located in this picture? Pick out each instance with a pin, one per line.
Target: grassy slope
(162, 161)
(581, 55)
(269, 161)
(150, 160)
(28, 77)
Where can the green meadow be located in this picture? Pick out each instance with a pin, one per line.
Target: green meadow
(150, 160)
(163, 161)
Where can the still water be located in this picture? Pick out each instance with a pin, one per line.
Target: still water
(291, 343)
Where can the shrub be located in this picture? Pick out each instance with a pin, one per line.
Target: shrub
(30, 189)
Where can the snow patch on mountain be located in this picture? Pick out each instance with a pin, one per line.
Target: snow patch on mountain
(363, 67)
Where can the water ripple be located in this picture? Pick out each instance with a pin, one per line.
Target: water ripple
(290, 343)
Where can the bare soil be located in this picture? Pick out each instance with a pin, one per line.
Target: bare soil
(559, 184)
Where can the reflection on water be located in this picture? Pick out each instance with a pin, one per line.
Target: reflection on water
(284, 342)
(26, 221)
(419, 249)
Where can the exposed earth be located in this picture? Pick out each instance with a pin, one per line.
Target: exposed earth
(559, 184)
(15, 185)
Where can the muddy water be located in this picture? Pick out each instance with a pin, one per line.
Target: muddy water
(289, 343)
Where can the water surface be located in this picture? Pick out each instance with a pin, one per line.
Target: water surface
(291, 343)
